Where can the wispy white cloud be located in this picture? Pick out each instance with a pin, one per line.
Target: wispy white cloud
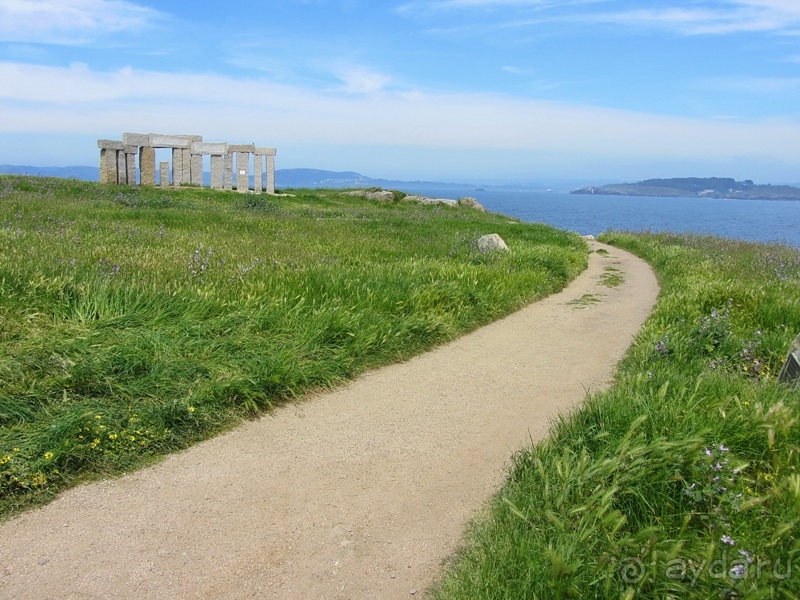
(713, 18)
(751, 85)
(421, 6)
(102, 103)
(516, 70)
(702, 17)
(70, 22)
(362, 80)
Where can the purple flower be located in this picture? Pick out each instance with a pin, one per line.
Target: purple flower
(726, 539)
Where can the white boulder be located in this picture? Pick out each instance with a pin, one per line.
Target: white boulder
(491, 243)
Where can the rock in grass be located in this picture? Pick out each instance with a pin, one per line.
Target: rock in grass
(471, 203)
(790, 373)
(491, 243)
(382, 196)
(424, 200)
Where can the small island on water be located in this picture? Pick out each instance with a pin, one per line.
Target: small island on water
(696, 187)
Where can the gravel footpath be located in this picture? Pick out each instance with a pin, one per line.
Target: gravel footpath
(360, 492)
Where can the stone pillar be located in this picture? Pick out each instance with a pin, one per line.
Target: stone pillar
(122, 168)
(186, 176)
(164, 169)
(270, 154)
(130, 164)
(243, 152)
(197, 170)
(216, 171)
(258, 173)
(103, 165)
(110, 161)
(242, 172)
(227, 181)
(177, 166)
(147, 166)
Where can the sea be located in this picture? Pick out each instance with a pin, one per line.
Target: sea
(769, 221)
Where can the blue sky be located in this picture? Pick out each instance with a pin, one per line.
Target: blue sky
(459, 90)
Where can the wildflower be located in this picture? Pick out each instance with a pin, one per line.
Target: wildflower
(738, 571)
(48, 455)
(5, 459)
(726, 539)
(191, 409)
(112, 436)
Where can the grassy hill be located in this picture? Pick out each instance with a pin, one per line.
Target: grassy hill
(135, 321)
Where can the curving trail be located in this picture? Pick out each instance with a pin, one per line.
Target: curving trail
(356, 493)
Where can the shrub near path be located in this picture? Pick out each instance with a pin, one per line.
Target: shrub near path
(682, 480)
(136, 321)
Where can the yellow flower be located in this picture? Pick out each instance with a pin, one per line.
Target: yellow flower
(5, 459)
(98, 416)
(48, 455)
(112, 436)
(191, 409)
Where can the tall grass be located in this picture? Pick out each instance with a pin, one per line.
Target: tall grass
(135, 321)
(682, 480)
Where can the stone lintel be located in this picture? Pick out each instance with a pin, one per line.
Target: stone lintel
(136, 139)
(241, 147)
(110, 145)
(130, 149)
(158, 140)
(266, 151)
(218, 148)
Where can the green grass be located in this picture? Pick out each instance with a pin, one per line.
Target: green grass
(682, 480)
(135, 321)
(584, 301)
(612, 277)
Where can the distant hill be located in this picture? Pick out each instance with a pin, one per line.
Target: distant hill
(87, 173)
(284, 178)
(319, 178)
(696, 187)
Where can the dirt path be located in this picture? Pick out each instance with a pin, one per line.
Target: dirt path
(357, 493)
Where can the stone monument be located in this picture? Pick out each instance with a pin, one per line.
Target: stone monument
(118, 162)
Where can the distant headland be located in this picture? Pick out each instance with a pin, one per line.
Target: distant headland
(696, 187)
